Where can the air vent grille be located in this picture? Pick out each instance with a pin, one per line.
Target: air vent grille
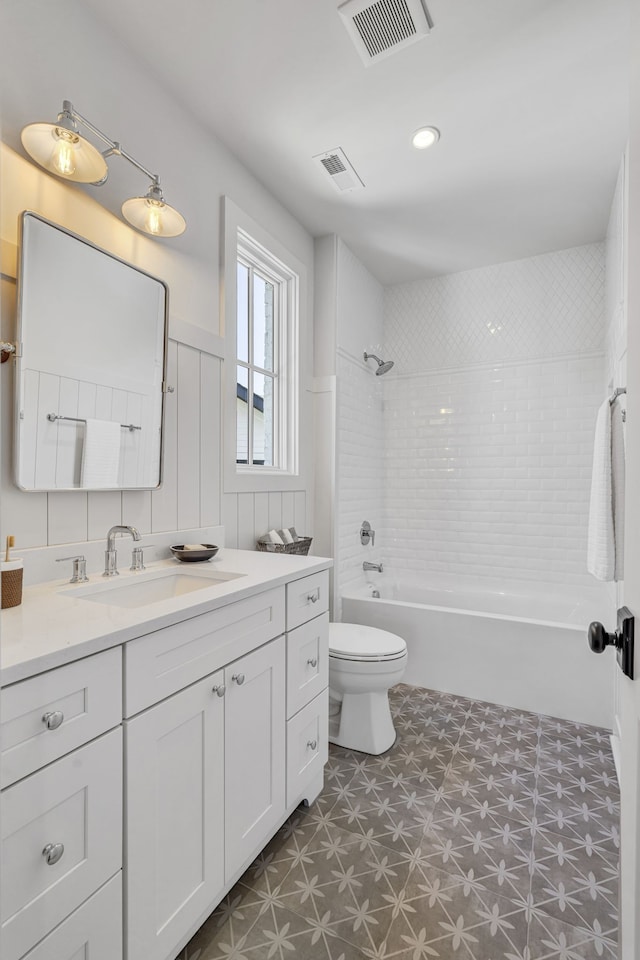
(342, 175)
(333, 164)
(384, 24)
(384, 27)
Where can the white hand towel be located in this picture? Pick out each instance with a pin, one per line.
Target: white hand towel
(100, 454)
(617, 484)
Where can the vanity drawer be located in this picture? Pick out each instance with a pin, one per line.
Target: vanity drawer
(307, 745)
(79, 701)
(307, 598)
(168, 660)
(307, 662)
(93, 930)
(75, 803)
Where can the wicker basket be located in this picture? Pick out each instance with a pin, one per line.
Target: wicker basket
(299, 546)
(11, 588)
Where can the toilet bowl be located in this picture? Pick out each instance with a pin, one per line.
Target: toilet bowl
(363, 663)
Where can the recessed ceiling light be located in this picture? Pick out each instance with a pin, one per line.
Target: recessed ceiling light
(425, 137)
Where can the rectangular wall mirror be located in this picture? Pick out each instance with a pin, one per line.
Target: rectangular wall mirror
(92, 331)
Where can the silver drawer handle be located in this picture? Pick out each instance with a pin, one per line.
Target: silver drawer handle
(312, 744)
(220, 689)
(239, 678)
(53, 719)
(313, 597)
(53, 852)
(312, 661)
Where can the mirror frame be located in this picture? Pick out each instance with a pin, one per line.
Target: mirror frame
(19, 370)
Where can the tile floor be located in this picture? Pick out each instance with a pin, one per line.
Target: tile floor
(484, 833)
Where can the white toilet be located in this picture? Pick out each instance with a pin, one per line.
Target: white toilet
(363, 663)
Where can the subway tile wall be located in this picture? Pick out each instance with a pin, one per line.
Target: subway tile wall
(487, 470)
(360, 439)
(488, 420)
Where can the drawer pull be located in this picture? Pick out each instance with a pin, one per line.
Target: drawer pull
(220, 689)
(53, 719)
(239, 678)
(313, 597)
(53, 852)
(312, 661)
(312, 744)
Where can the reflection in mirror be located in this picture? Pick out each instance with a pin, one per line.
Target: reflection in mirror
(89, 385)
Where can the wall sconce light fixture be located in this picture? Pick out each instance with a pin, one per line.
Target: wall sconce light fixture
(62, 150)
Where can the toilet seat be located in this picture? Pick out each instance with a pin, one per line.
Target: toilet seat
(353, 641)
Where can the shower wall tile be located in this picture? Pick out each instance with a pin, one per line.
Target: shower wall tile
(360, 439)
(546, 306)
(488, 469)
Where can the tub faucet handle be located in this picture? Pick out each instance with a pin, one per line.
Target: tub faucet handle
(367, 534)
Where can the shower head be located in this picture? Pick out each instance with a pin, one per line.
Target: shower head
(383, 366)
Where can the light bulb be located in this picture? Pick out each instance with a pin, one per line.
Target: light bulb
(63, 156)
(425, 137)
(153, 221)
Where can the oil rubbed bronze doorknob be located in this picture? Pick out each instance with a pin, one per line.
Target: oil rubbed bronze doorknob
(622, 640)
(599, 638)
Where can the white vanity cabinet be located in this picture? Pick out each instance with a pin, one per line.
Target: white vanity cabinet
(212, 728)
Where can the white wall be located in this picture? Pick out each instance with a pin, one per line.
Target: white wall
(489, 418)
(107, 84)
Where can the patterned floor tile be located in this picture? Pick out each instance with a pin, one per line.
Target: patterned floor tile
(484, 832)
(551, 939)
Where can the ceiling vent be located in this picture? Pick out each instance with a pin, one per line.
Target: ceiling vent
(384, 27)
(343, 176)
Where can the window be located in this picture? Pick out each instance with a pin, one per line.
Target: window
(264, 287)
(261, 392)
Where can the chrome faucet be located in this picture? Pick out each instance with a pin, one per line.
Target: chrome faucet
(372, 566)
(111, 554)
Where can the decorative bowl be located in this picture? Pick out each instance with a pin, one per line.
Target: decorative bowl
(197, 554)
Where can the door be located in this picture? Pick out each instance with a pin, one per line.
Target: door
(254, 752)
(174, 817)
(630, 689)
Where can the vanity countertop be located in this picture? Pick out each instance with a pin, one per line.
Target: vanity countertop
(55, 625)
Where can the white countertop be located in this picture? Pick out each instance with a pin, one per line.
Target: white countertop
(55, 625)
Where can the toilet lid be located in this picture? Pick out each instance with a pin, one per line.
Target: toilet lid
(353, 641)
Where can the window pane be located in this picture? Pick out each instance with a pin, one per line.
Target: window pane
(242, 415)
(242, 313)
(262, 419)
(263, 296)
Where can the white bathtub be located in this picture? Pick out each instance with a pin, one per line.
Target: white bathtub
(511, 644)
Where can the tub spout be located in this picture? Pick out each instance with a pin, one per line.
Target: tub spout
(372, 566)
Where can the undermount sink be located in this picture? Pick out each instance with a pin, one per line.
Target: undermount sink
(145, 589)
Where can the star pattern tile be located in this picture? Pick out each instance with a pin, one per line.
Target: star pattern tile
(483, 833)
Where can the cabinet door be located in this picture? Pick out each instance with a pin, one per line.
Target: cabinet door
(174, 818)
(254, 752)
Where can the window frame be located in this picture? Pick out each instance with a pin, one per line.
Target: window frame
(245, 240)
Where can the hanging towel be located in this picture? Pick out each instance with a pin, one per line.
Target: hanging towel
(604, 554)
(100, 454)
(617, 484)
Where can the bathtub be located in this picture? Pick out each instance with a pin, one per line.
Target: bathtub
(513, 644)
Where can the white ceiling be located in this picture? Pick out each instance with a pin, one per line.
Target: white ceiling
(530, 97)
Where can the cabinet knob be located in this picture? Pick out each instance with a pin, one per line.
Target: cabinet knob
(313, 597)
(312, 744)
(220, 689)
(53, 719)
(239, 678)
(53, 852)
(312, 662)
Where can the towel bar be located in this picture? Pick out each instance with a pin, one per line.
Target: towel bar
(57, 416)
